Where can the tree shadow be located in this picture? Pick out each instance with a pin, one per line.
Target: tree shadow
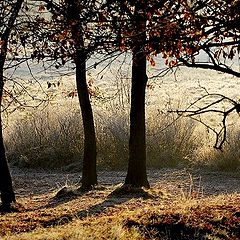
(64, 195)
(119, 196)
(11, 208)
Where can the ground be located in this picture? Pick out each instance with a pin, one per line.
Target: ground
(182, 204)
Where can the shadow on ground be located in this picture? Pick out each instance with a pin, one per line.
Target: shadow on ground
(119, 196)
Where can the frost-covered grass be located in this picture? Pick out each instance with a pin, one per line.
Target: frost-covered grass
(53, 138)
(52, 135)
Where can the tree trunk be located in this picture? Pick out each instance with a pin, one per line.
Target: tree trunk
(137, 172)
(89, 172)
(137, 175)
(6, 188)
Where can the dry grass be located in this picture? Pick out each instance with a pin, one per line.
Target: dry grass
(52, 137)
(134, 215)
(175, 209)
(46, 138)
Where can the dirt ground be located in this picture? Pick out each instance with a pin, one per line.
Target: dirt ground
(29, 182)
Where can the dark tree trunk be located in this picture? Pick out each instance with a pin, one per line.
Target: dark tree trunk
(137, 172)
(6, 188)
(89, 173)
(137, 175)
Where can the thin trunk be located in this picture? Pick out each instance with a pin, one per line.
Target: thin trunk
(6, 188)
(136, 175)
(89, 172)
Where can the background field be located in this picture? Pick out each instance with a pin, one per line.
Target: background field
(51, 135)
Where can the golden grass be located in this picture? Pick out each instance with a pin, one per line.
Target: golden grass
(110, 213)
(52, 136)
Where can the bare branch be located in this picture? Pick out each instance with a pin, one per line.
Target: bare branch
(221, 135)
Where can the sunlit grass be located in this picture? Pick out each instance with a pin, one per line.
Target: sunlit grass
(52, 136)
(126, 214)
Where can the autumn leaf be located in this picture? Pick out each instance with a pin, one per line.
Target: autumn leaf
(152, 62)
(101, 17)
(2, 42)
(122, 46)
(41, 8)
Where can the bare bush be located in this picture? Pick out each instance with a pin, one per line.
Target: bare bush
(229, 158)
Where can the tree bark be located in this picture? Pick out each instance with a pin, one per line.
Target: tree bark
(137, 172)
(89, 172)
(6, 188)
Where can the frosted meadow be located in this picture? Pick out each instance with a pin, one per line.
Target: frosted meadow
(51, 134)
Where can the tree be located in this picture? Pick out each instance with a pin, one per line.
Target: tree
(69, 35)
(209, 29)
(136, 174)
(9, 12)
(89, 173)
(180, 31)
(66, 39)
(132, 22)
